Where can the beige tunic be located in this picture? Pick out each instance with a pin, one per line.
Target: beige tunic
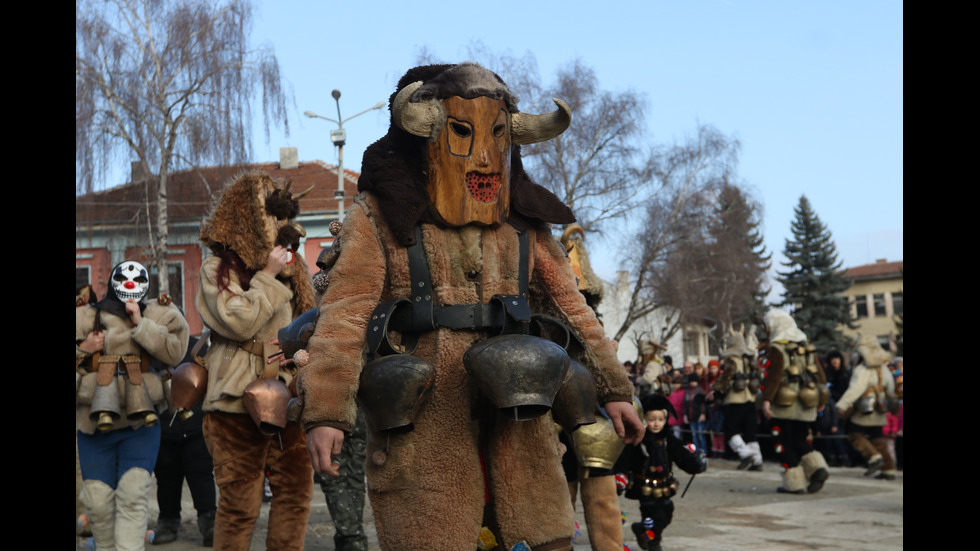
(162, 332)
(862, 379)
(236, 315)
(782, 359)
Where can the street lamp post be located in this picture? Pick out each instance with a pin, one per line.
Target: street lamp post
(339, 137)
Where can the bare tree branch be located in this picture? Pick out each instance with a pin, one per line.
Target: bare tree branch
(171, 84)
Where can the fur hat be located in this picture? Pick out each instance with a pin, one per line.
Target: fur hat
(735, 345)
(656, 401)
(872, 354)
(393, 168)
(251, 216)
(782, 327)
(239, 220)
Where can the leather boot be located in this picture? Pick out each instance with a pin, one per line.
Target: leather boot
(205, 523)
(166, 531)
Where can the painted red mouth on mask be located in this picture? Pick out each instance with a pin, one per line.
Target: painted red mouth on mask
(483, 187)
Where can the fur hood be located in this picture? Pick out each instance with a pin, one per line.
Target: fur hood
(872, 354)
(249, 217)
(393, 168)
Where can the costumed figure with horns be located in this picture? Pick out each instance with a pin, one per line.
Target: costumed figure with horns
(739, 383)
(255, 283)
(117, 398)
(793, 389)
(871, 390)
(442, 257)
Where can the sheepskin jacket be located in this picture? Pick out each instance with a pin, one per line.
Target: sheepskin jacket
(237, 315)
(468, 264)
(863, 380)
(780, 358)
(162, 332)
(734, 365)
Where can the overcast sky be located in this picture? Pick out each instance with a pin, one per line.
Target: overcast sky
(814, 90)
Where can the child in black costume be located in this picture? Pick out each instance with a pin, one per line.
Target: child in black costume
(648, 467)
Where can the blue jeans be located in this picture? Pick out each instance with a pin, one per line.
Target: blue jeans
(106, 456)
(698, 435)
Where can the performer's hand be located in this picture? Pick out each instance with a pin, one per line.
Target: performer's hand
(278, 257)
(281, 356)
(765, 409)
(324, 443)
(93, 342)
(626, 421)
(133, 309)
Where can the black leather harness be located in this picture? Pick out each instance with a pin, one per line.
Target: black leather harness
(420, 314)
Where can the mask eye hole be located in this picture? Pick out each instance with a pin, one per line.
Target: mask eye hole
(498, 130)
(119, 277)
(140, 279)
(460, 129)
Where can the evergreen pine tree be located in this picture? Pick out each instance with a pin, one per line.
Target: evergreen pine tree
(814, 284)
(737, 259)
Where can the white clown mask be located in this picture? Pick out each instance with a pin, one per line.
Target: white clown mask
(130, 280)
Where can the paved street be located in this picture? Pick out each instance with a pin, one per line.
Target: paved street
(724, 509)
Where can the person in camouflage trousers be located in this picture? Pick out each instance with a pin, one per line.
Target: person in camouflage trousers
(345, 493)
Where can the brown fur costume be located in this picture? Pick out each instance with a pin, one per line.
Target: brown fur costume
(430, 487)
(249, 219)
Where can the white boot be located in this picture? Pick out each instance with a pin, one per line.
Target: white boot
(794, 481)
(132, 509)
(742, 449)
(756, 453)
(815, 469)
(100, 505)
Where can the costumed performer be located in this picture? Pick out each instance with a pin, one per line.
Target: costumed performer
(447, 246)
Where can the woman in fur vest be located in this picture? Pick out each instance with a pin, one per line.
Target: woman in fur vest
(254, 284)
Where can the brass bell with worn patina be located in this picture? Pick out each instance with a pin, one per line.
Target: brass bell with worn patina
(520, 374)
(394, 389)
(575, 402)
(188, 384)
(266, 401)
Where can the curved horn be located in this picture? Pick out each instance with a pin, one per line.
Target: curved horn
(569, 231)
(528, 129)
(298, 196)
(285, 188)
(419, 119)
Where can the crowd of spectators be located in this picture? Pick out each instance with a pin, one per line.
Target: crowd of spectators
(700, 418)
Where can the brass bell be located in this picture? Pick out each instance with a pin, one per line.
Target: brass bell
(105, 421)
(151, 419)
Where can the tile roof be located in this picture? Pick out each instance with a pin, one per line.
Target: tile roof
(190, 192)
(876, 270)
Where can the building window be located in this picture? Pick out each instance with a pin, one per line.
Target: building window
(879, 304)
(861, 303)
(83, 276)
(691, 345)
(174, 275)
(897, 305)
